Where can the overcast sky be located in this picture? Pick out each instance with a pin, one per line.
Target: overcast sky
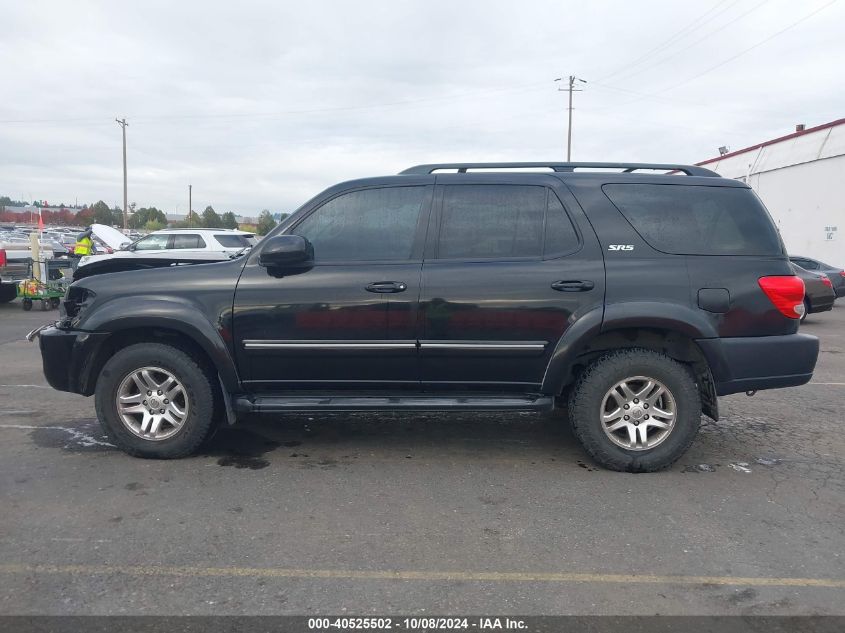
(262, 105)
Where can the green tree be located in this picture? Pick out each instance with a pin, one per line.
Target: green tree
(101, 213)
(266, 223)
(117, 217)
(147, 214)
(229, 221)
(154, 225)
(210, 219)
(192, 220)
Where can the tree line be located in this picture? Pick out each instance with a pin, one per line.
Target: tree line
(147, 218)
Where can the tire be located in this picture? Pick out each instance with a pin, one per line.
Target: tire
(196, 400)
(591, 397)
(27, 305)
(806, 311)
(8, 292)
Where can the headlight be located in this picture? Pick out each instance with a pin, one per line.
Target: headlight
(75, 301)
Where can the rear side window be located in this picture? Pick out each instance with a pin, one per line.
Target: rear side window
(189, 240)
(697, 220)
(495, 221)
(231, 240)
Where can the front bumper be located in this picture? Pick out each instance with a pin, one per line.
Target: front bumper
(67, 357)
(760, 362)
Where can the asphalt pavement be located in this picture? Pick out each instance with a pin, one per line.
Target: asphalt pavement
(421, 514)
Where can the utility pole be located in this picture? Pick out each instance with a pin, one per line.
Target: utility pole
(570, 89)
(190, 211)
(122, 123)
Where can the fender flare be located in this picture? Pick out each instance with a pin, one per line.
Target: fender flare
(171, 313)
(651, 315)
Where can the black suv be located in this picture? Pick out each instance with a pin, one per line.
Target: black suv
(630, 295)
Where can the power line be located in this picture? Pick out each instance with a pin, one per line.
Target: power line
(707, 36)
(283, 113)
(677, 36)
(750, 48)
(727, 60)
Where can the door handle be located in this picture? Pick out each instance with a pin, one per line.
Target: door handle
(573, 286)
(387, 286)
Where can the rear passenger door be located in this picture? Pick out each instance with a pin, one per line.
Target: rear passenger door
(508, 266)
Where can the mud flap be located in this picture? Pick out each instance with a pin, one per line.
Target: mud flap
(707, 391)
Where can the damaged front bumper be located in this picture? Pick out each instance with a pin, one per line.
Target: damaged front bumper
(68, 357)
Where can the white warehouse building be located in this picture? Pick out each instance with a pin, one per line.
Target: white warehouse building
(801, 179)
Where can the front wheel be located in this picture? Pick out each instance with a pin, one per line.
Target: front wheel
(635, 410)
(154, 400)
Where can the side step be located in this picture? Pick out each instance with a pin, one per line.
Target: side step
(276, 403)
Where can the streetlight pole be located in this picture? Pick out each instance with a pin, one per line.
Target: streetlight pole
(190, 211)
(122, 123)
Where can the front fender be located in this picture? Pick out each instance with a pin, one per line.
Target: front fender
(171, 313)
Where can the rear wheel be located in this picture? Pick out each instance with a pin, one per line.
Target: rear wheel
(635, 410)
(154, 400)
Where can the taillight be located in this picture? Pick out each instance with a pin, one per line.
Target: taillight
(786, 293)
(842, 273)
(2, 256)
(826, 281)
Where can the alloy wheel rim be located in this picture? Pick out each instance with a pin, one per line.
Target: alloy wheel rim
(638, 413)
(152, 403)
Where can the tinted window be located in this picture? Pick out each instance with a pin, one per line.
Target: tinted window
(372, 224)
(152, 242)
(697, 220)
(189, 240)
(498, 221)
(560, 234)
(231, 240)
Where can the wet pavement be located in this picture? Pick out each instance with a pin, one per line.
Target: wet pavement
(421, 514)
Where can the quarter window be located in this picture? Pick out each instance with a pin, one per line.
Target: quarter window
(697, 220)
(365, 225)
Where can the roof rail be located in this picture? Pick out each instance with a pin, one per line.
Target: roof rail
(462, 168)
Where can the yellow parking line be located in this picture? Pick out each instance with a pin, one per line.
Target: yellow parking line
(481, 576)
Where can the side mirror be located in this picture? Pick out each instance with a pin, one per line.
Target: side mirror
(286, 251)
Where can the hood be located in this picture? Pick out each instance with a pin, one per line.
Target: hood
(99, 266)
(111, 237)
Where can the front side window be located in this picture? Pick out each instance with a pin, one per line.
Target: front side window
(153, 242)
(365, 225)
(188, 240)
(492, 221)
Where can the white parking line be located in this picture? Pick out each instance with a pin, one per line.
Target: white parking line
(83, 438)
(29, 386)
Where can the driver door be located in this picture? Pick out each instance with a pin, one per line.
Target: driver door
(350, 321)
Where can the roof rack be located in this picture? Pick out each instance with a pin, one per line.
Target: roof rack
(462, 168)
